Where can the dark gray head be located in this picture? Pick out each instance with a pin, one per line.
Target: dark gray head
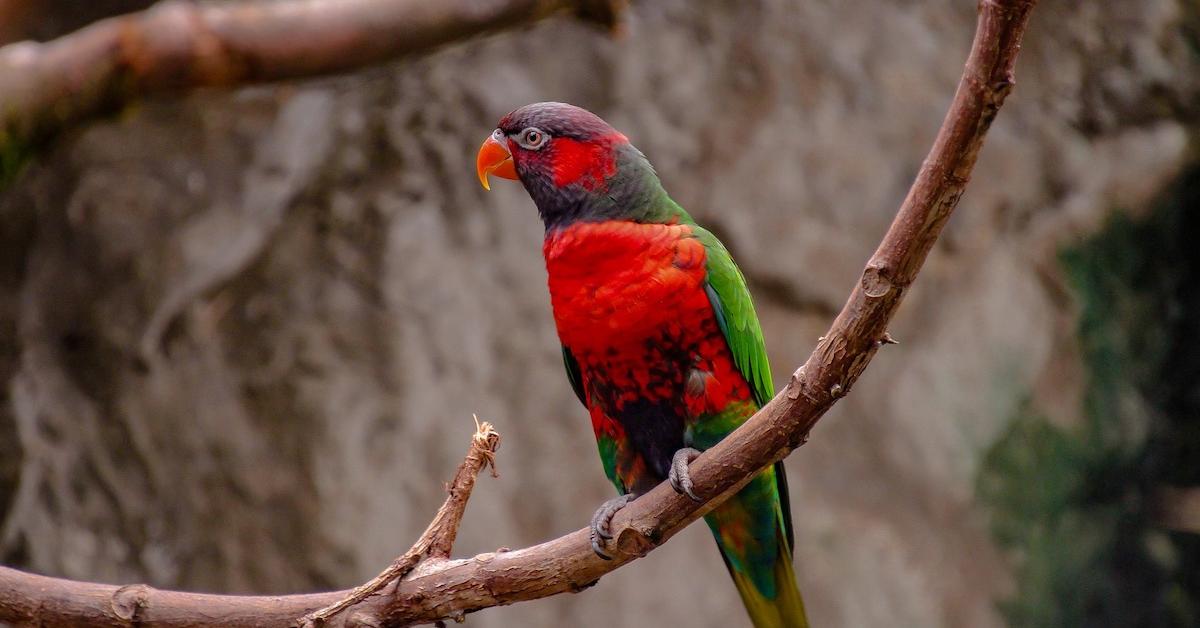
(574, 165)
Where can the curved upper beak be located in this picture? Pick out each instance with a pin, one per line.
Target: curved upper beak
(494, 158)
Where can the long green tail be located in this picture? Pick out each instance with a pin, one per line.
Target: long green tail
(752, 531)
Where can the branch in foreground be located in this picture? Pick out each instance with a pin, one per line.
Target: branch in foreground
(179, 45)
(100, 605)
(438, 539)
(453, 587)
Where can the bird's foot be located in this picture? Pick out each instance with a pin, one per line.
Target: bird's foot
(679, 476)
(602, 522)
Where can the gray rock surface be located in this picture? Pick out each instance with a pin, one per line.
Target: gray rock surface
(242, 335)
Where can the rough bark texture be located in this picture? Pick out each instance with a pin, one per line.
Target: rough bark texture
(220, 316)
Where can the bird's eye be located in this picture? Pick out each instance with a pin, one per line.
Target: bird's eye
(532, 138)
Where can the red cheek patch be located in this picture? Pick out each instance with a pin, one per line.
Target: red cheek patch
(588, 163)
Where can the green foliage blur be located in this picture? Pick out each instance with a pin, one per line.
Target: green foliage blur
(1075, 506)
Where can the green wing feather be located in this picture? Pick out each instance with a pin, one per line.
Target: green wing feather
(608, 447)
(730, 299)
(735, 314)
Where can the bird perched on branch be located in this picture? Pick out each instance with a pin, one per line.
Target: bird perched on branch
(659, 336)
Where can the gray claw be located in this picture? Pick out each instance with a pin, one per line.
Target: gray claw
(601, 526)
(679, 476)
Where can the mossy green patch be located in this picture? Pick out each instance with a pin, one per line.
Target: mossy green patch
(13, 155)
(1076, 506)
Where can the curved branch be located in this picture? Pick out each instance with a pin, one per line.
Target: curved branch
(178, 45)
(451, 588)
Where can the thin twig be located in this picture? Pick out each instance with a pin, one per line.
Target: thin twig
(438, 538)
(454, 587)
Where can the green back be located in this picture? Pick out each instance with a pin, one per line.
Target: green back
(735, 314)
(734, 310)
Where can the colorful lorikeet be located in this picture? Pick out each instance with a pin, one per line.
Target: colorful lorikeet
(659, 335)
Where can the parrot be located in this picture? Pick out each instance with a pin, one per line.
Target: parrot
(659, 336)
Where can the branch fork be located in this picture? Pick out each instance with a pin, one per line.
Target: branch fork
(434, 544)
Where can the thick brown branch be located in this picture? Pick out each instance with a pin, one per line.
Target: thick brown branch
(178, 45)
(449, 588)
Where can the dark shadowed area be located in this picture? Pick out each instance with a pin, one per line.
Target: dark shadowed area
(243, 333)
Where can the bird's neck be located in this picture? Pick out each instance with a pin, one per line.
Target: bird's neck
(633, 193)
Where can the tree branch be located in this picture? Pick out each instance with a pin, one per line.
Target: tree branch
(438, 539)
(178, 45)
(453, 587)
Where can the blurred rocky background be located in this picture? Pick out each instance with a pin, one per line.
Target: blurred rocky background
(242, 333)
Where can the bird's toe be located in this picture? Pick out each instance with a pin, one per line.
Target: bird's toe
(601, 524)
(679, 476)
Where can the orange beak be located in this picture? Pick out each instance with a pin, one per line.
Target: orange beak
(494, 158)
